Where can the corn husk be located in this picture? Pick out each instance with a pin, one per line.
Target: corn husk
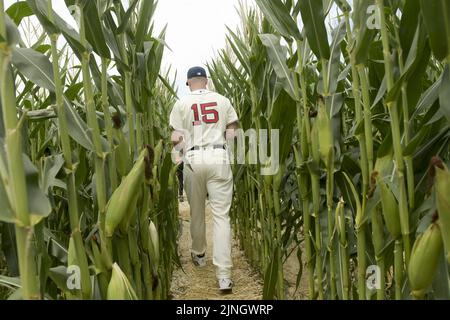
(153, 243)
(424, 260)
(120, 203)
(130, 215)
(119, 287)
(122, 153)
(390, 208)
(325, 134)
(442, 190)
(158, 152)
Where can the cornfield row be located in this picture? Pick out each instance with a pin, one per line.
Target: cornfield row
(88, 207)
(362, 102)
(360, 94)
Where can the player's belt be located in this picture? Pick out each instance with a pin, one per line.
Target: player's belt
(216, 146)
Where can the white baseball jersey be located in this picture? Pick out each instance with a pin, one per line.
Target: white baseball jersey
(203, 117)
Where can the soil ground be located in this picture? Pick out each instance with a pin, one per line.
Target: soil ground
(193, 283)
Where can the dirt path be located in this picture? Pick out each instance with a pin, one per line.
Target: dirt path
(192, 283)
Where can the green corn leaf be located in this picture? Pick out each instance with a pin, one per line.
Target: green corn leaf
(35, 66)
(270, 276)
(436, 14)
(94, 30)
(12, 33)
(51, 168)
(343, 5)
(38, 203)
(428, 98)
(126, 18)
(145, 15)
(9, 248)
(167, 85)
(278, 15)
(314, 21)
(334, 63)
(444, 93)
(365, 35)
(38, 69)
(413, 60)
(59, 26)
(358, 213)
(18, 11)
(10, 282)
(409, 23)
(277, 55)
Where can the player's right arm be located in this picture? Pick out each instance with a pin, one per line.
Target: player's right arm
(232, 122)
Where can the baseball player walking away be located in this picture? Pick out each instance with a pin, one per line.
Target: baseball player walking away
(201, 122)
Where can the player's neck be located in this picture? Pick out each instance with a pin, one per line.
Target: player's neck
(197, 88)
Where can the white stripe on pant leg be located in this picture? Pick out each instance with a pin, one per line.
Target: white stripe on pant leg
(220, 189)
(196, 194)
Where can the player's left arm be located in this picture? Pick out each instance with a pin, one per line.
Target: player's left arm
(176, 125)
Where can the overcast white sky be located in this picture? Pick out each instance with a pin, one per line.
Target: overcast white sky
(196, 29)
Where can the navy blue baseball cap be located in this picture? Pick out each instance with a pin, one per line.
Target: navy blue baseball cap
(196, 72)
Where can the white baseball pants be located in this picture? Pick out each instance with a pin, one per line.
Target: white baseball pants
(207, 171)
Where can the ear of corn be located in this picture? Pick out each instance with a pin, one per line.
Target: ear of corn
(153, 243)
(315, 144)
(390, 209)
(119, 287)
(325, 136)
(158, 152)
(121, 203)
(424, 260)
(442, 190)
(130, 215)
(122, 155)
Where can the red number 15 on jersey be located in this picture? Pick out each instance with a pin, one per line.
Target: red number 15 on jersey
(209, 113)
